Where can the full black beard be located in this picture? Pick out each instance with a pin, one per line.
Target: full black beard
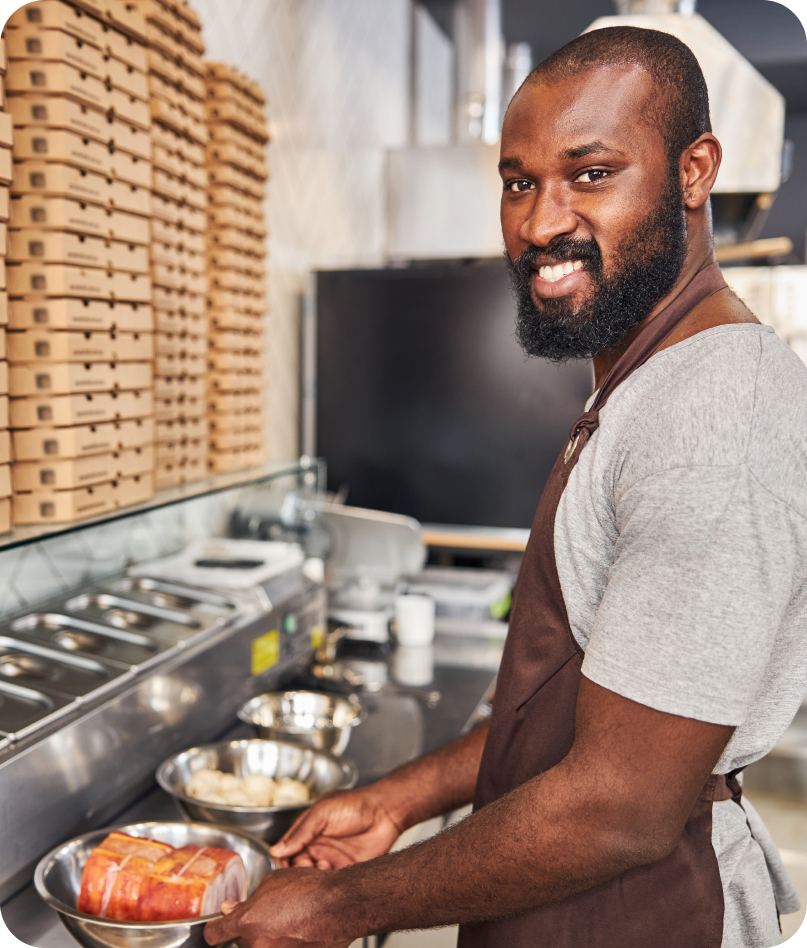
(647, 266)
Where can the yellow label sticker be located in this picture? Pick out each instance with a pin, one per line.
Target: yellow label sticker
(317, 636)
(265, 651)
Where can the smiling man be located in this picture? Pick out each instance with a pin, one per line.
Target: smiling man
(658, 639)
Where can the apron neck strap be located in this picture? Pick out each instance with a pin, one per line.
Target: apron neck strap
(703, 285)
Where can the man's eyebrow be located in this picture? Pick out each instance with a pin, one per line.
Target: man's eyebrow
(592, 148)
(510, 164)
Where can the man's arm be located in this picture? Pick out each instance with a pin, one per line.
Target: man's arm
(359, 825)
(619, 800)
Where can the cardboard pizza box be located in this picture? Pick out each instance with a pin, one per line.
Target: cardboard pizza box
(80, 314)
(57, 144)
(84, 409)
(124, 48)
(62, 180)
(57, 246)
(125, 77)
(55, 78)
(64, 473)
(55, 15)
(29, 42)
(5, 446)
(63, 280)
(67, 378)
(38, 345)
(38, 444)
(64, 506)
(42, 211)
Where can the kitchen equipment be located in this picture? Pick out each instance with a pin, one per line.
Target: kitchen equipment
(227, 564)
(58, 882)
(323, 721)
(475, 594)
(100, 685)
(319, 771)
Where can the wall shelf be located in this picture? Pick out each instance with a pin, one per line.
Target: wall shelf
(215, 483)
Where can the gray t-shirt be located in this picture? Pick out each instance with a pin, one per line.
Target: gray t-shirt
(681, 545)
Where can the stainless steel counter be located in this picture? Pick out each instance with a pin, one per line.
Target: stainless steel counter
(398, 728)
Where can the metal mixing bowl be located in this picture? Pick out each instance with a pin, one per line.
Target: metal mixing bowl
(308, 717)
(58, 882)
(319, 771)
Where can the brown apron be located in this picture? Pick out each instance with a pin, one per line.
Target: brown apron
(675, 903)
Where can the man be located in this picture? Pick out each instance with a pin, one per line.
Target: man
(657, 643)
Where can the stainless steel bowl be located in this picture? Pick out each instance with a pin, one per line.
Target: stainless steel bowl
(319, 771)
(307, 717)
(58, 882)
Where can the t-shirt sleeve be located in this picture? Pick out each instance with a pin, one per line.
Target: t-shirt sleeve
(703, 572)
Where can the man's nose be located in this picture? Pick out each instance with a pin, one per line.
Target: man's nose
(551, 217)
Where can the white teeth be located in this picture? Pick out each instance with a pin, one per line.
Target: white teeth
(560, 270)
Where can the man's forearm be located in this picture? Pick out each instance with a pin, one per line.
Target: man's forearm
(435, 783)
(529, 848)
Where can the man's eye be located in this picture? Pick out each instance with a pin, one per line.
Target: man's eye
(519, 186)
(592, 176)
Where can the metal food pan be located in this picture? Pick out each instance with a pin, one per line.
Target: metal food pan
(39, 667)
(90, 639)
(23, 710)
(177, 596)
(136, 617)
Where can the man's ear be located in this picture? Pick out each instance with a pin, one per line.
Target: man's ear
(698, 168)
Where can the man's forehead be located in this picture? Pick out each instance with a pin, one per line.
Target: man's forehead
(605, 105)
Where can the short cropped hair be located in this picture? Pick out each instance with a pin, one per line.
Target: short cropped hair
(682, 111)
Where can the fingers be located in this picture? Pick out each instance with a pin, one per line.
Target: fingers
(222, 929)
(227, 907)
(306, 828)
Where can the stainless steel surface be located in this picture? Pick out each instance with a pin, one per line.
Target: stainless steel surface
(73, 634)
(134, 616)
(319, 771)
(397, 729)
(37, 666)
(78, 766)
(58, 882)
(178, 596)
(371, 544)
(323, 721)
(22, 709)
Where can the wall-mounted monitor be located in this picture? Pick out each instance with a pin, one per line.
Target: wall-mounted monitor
(425, 405)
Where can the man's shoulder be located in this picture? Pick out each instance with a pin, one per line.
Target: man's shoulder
(731, 395)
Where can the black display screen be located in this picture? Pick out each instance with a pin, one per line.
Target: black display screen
(425, 404)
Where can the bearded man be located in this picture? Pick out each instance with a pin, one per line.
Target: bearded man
(657, 642)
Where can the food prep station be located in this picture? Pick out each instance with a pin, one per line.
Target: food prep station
(103, 684)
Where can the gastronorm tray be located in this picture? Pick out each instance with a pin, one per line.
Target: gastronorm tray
(45, 669)
(90, 639)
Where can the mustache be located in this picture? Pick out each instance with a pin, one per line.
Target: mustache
(559, 251)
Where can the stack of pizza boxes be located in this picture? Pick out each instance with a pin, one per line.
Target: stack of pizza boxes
(179, 242)
(237, 297)
(80, 340)
(6, 140)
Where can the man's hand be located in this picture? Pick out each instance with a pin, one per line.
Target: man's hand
(339, 831)
(289, 910)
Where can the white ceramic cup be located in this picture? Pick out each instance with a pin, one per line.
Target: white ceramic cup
(414, 619)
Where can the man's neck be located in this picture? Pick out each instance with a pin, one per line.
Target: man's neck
(605, 361)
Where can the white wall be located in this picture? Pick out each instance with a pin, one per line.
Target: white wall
(336, 73)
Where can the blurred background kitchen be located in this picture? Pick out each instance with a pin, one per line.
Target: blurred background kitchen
(294, 328)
